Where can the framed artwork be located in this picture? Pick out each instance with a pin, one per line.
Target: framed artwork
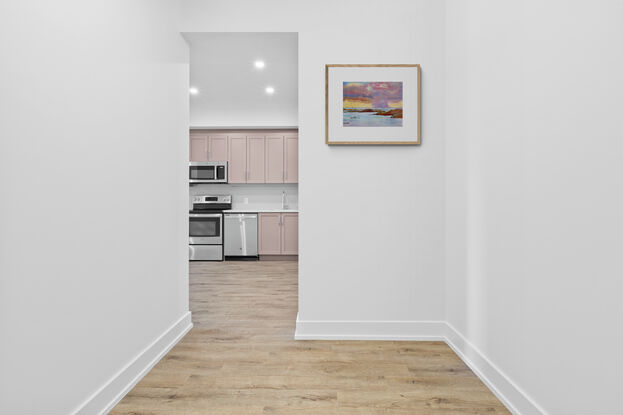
(372, 104)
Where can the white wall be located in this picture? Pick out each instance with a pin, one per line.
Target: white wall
(371, 222)
(93, 105)
(533, 195)
(523, 197)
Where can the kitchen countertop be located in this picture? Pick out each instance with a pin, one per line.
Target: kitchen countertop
(251, 209)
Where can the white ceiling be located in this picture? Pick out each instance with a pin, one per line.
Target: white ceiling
(232, 90)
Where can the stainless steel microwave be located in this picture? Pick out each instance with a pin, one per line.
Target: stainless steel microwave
(207, 172)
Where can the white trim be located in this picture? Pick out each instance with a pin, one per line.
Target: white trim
(508, 392)
(369, 330)
(108, 395)
(244, 127)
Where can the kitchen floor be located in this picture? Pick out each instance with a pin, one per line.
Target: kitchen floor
(241, 358)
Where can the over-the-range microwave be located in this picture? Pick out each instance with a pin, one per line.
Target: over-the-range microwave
(207, 172)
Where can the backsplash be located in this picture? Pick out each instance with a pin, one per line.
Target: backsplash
(267, 196)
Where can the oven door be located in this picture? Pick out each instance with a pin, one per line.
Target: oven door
(205, 229)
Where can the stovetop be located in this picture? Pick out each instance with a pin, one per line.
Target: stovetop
(210, 203)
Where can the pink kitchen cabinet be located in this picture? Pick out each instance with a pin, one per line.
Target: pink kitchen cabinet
(289, 233)
(217, 147)
(237, 166)
(291, 158)
(274, 159)
(254, 156)
(269, 234)
(198, 147)
(278, 234)
(255, 159)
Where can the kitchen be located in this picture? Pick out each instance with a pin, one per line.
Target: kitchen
(243, 167)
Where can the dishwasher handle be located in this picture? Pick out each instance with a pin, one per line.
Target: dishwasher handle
(242, 215)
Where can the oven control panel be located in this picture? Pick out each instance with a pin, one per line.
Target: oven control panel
(212, 199)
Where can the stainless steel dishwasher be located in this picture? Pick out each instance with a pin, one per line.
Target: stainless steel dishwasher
(241, 235)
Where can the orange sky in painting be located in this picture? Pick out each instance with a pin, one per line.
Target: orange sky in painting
(367, 103)
(357, 103)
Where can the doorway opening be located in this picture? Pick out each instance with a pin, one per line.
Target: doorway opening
(243, 183)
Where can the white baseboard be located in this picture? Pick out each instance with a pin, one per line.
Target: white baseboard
(508, 392)
(106, 397)
(511, 395)
(369, 330)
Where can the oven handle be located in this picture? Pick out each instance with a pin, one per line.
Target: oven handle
(205, 215)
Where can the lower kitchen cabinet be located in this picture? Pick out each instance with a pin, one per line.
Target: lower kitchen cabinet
(278, 234)
(269, 234)
(289, 233)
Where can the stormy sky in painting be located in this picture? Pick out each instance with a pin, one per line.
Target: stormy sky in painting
(372, 94)
(372, 104)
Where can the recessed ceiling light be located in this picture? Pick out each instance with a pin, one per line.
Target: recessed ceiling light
(270, 90)
(259, 64)
(193, 91)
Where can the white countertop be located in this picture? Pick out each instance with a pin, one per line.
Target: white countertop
(259, 209)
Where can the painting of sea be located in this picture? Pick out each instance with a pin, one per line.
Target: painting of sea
(372, 104)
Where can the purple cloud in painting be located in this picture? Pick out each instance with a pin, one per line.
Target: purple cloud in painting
(372, 104)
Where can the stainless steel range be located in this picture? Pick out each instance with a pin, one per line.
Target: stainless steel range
(205, 236)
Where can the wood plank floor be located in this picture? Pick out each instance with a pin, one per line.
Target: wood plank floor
(240, 358)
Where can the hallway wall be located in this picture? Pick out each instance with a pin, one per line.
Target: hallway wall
(533, 196)
(371, 218)
(506, 222)
(93, 285)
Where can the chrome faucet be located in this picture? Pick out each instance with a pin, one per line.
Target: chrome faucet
(284, 200)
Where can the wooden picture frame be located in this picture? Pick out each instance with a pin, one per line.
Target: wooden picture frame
(396, 130)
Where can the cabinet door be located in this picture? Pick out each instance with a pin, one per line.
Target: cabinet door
(255, 159)
(291, 158)
(198, 147)
(274, 159)
(269, 230)
(237, 167)
(217, 147)
(290, 233)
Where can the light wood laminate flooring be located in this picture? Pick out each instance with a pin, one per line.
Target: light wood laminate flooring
(241, 358)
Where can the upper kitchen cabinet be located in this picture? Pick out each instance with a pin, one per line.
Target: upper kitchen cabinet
(274, 159)
(198, 147)
(254, 156)
(256, 159)
(217, 147)
(291, 158)
(237, 167)
(282, 158)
